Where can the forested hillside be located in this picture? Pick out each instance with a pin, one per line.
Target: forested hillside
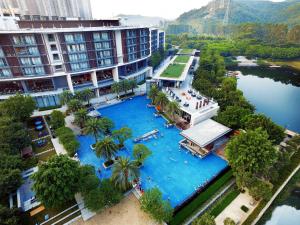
(219, 15)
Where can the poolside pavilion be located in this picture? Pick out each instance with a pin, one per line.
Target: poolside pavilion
(205, 137)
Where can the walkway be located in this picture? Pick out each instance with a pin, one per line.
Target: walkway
(233, 210)
(209, 204)
(275, 195)
(128, 211)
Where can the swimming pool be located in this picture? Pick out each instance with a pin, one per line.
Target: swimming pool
(174, 171)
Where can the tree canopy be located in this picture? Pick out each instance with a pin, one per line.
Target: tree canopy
(152, 203)
(56, 181)
(250, 154)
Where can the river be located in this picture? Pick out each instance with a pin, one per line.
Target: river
(274, 92)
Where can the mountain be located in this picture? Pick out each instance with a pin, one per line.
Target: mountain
(218, 13)
(138, 20)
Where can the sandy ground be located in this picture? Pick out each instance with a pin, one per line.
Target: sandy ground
(127, 212)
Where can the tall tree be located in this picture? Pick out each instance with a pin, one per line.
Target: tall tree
(74, 105)
(132, 85)
(57, 119)
(122, 135)
(65, 97)
(86, 95)
(161, 100)
(9, 216)
(116, 88)
(107, 125)
(94, 127)
(152, 203)
(56, 181)
(124, 172)
(106, 148)
(81, 117)
(250, 155)
(153, 92)
(275, 132)
(173, 108)
(19, 107)
(141, 153)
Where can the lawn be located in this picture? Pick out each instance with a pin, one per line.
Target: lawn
(182, 59)
(291, 63)
(43, 148)
(186, 51)
(45, 156)
(173, 70)
(195, 204)
(222, 203)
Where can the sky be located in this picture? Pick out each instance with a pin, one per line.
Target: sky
(169, 9)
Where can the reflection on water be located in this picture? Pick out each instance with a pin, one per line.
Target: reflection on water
(279, 100)
(285, 215)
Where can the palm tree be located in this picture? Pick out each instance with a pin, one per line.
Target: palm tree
(86, 95)
(81, 116)
(116, 88)
(132, 84)
(94, 127)
(125, 85)
(122, 135)
(140, 153)
(161, 99)
(74, 105)
(65, 97)
(106, 148)
(173, 108)
(106, 125)
(124, 171)
(153, 92)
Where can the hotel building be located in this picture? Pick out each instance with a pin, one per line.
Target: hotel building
(44, 57)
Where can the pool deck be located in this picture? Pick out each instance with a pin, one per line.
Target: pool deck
(128, 211)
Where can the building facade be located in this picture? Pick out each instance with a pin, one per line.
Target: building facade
(46, 9)
(157, 40)
(43, 58)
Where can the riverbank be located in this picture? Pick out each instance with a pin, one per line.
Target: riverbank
(294, 64)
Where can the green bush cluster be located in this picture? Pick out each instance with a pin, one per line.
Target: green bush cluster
(68, 139)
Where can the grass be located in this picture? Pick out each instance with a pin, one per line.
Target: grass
(290, 63)
(47, 155)
(224, 201)
(173, 71)
(186, 51)
(195, 204)
(182, 59)
(44, 148)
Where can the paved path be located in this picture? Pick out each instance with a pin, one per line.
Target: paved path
(233, 210)
(208, 205)
(275, 195)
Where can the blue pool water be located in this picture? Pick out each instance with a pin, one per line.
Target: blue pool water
(174, 171)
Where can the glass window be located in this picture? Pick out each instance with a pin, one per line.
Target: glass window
(96, 36)
(104, 35)
(36, 61)
(53, 47)
(33, 50)
(29, 39)
(69, 38)
(39, 70)
(78, 37)
(28, 71)
(5, 72)
(17, 40)
(1, 53)
(2, 62)
(56, 57)
(25, 61)
(51, 37)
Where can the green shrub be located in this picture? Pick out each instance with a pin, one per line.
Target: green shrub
(244, 208)
(57, 119)
(68, 139)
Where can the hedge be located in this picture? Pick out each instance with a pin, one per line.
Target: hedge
(68, 139)
(224, 202)
(195, 204)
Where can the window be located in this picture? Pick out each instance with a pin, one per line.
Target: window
(28, 71)
(5, 72)
(69, 38)
(96, 36)
(104, 35)
(36, 61)
(29, 39)
(51, 37)
(1, 53)
(53, 47)
(55, 57)
(33, 50)
(25, 61)
(58, 68)
(39, 70)
(2, 62)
